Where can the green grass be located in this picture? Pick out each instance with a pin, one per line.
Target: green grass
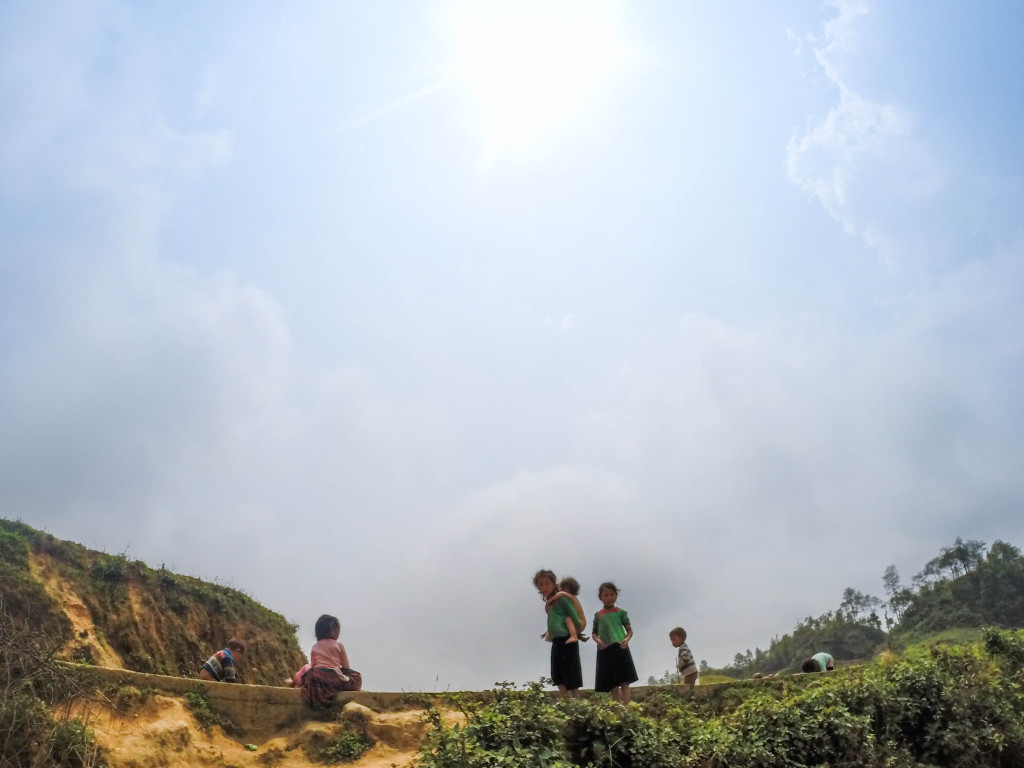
(715, 679)
(957, 636)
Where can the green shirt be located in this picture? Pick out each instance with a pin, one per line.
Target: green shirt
(823, 660)
(611, 625)
(556, 617)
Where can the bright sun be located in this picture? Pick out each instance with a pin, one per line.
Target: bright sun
(532, 65)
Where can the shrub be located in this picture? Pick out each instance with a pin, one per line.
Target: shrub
(346, 747)
(205, 716)
(32, 683)
(950, 706)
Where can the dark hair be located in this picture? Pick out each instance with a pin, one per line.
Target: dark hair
(678, 631)
(544, 573)
(810, 665)
(234, 644)
(570, 585)
(325, 626)
(608, 585)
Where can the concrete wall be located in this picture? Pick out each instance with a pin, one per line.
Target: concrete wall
(261, 710)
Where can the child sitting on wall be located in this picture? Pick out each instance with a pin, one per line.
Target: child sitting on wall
(329, 672)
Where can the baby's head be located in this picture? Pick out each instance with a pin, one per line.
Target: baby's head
(327, 627)
(677, 636)
(570, 585)
(545, 581)
(237, 648)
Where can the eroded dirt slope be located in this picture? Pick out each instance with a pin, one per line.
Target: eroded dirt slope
(162, 733)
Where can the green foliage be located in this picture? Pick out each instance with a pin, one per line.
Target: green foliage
(346, 747)
(963, 588)
(845, 633)
(127, 698)
(205, 716)
(72, 744)
(514, 728)
(35, 729)
(950, 706)
(21, 596)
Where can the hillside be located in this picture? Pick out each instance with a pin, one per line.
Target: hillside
(966, 587)
(114, 612)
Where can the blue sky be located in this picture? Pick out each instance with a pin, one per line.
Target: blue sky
(375, 309)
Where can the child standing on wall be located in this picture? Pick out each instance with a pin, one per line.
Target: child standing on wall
(220, 667)
(685, 665)
(329, 672)
(566, 672)
(612, 633)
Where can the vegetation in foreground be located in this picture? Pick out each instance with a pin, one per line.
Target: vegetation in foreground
(957, 706)
(36, 728)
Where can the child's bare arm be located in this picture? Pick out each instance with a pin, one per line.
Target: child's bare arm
(554, 598)
(344, 656)
(629, 634)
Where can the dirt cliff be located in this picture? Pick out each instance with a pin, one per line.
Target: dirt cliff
(118, 613)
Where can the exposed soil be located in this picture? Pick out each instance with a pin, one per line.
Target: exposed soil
(81, 620)
(162, 733)
(159, 731)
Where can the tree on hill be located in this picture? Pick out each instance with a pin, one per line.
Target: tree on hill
(952, 562)
(963, 587)
(851, 632)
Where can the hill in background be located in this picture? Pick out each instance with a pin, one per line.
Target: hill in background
(967, 586)
(115, 612)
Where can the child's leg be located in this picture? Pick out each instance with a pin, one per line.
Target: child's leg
(625, 694)
(563, 691)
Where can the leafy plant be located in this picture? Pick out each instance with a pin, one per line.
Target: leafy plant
(35, 728)
(205, 716)
(346, 747)
(949, 706)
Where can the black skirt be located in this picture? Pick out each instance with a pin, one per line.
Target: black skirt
(614, 667)
(565, 664)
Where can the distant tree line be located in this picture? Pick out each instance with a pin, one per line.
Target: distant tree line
(967, 585)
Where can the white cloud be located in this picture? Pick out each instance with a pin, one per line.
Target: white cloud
(862, 161)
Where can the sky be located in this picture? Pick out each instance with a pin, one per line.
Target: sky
(375, 309)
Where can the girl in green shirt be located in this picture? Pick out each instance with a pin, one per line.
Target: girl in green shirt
(612, 633)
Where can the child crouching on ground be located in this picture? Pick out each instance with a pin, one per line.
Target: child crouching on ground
(329, 672)
(685, 664)
(221, 666)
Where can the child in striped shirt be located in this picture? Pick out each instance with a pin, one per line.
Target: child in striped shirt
(685, 664)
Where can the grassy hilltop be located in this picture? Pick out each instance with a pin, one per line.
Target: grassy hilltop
(111, 611)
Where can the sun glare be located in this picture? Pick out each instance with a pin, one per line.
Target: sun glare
(530, 66)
